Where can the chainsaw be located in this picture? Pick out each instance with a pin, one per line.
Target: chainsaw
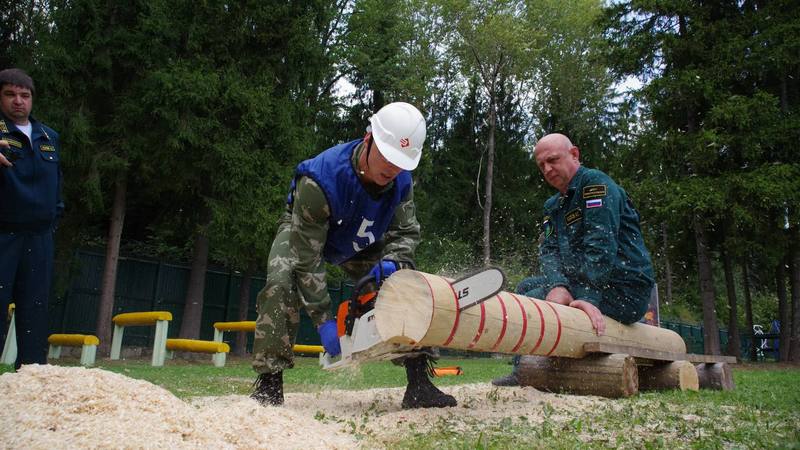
(358, 335)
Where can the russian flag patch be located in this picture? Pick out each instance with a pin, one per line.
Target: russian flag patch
(594, 203)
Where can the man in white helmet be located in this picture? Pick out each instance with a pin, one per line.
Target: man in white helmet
(353, 206)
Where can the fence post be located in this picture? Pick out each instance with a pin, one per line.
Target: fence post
(225, 316)
(156, 288)
(154, 300)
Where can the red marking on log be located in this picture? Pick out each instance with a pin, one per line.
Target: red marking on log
(480, 327)
(541, 330)
(524, 325)
(455, 322)
(558, 336)
(505, 322)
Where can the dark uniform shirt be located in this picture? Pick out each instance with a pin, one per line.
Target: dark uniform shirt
(30, 191)
(593, 246)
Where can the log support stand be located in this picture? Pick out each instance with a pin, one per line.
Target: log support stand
(610, 376)
(671, 375)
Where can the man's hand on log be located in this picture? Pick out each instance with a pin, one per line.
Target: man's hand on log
(560, 295)
(598, 322)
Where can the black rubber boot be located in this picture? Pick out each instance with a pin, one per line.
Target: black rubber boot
(268, 389)
(508, 380)
(421, 393)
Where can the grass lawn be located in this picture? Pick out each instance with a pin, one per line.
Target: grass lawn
(762, 412)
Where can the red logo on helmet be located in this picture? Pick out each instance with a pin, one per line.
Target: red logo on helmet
(404, 143)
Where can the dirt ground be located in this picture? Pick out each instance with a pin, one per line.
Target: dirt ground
(44, 407)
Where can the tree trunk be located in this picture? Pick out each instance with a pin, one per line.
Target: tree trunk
(244, 305)
(734, 344)
(667, 265)
(193, 305)
(377, 100)
(105, 310)
(487, 206)
(748, 307)
(707, 292)
(794, 274)
(783, 310)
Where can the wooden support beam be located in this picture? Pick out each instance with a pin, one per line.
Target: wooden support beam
(610, 376)
(717, 376)
(657, 355)
(672, 375)
(697, 358)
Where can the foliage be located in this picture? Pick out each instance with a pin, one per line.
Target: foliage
(713, 148)
(205, 109)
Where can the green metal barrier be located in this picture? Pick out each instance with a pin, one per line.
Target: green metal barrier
(150, 285)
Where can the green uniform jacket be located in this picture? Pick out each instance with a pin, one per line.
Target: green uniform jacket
(593, 244)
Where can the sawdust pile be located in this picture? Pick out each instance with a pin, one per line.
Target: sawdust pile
(44, 407)
(47, 407)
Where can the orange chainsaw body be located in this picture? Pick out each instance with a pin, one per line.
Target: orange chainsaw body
(344, 310)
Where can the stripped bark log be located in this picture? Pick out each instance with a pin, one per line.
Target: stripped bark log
(675, 375)
(612, 376)
(416, 309)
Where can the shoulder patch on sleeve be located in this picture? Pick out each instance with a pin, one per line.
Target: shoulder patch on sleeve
(547, 227)
(595, 191)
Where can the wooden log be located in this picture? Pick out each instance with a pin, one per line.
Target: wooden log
(610, 376)
(674, 375)
(718, 376)
(416, 309)
(644, 353)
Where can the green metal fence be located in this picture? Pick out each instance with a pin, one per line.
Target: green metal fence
(148, 285)
(693, 336)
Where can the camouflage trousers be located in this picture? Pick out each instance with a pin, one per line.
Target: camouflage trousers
(280, 301)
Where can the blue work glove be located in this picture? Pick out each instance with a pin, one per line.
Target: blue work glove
(329, 337)
(386, 267)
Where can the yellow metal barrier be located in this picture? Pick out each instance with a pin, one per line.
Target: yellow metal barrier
(88, 343)
(148, 318)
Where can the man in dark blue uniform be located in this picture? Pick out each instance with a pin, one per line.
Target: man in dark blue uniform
(592, 253)
(30, 204)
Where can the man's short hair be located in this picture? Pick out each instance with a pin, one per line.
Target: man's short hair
(17, 77)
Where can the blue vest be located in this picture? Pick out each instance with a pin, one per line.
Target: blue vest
(357, 219)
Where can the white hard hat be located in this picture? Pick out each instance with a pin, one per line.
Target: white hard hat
(399, 130)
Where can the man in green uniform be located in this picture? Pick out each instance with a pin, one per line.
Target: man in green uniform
(592, 254)
(353, 206)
